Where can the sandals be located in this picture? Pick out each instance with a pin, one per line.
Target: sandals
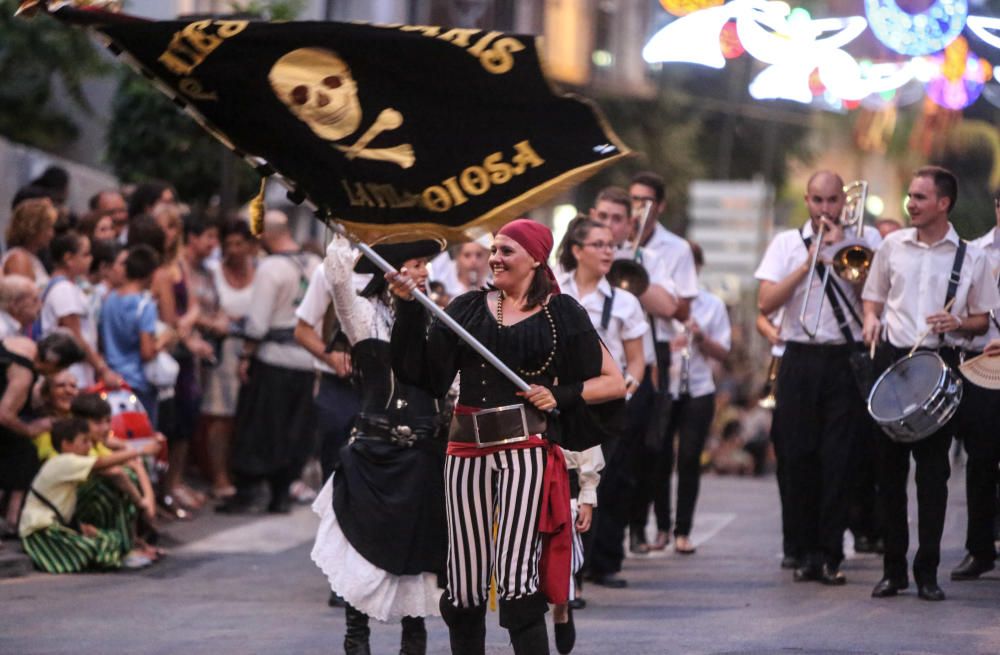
(683, 545)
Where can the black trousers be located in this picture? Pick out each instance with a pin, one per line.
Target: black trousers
(337, 404)
(690, 420)
(821, 416)
(614, 495)
(977, 422)
(789, 530)
(865, 517)
(652, 456)
(933, 468)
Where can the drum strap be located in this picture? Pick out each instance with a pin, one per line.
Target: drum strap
(606, 310)
(955, 278)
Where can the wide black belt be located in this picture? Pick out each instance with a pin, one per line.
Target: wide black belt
(496, 426)
(374, 426)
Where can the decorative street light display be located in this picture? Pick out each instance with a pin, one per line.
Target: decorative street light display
(807, 59)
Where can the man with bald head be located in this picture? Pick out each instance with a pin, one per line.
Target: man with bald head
(819, 411)
(275, 417)
(19, 304)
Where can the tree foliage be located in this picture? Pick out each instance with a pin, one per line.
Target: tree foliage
(34, 52)
(151, 139)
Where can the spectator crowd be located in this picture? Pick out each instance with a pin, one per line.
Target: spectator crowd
(120, 334)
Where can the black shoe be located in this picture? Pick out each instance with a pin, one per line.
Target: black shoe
(789, 562)
(832, 575)
(357, 633)
(565, 635)
(887, 587)
(577, 604)
(335, 600)
(930, 591)
(807, 573)
(971, 568)
(414, 639)
(611, 581)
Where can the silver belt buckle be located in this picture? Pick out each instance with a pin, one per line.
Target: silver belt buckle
(506, 440)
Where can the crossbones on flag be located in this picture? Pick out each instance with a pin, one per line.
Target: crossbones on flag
(397, 132)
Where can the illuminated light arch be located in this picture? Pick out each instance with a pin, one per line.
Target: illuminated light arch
(683, 40)
(921, 33)
(983, 26)
(961, 78)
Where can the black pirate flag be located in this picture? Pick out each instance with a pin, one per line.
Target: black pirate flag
(395, 131)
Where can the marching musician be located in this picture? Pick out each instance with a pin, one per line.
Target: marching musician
(705, 336)
(673, 285)
(818, 404)
(981, 444)
(918, 272)
(604, 551)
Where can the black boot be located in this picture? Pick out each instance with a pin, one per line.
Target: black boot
(356, 636)
(466, 627)
(530, 639)
(414, 640)
(524, 619)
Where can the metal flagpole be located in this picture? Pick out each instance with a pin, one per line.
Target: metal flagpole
(441, 315)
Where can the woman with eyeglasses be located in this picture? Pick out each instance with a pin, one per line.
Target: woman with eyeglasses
(585, 257)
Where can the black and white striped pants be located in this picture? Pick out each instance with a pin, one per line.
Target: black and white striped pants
(508, 486)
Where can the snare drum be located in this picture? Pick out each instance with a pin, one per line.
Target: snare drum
(915, 397)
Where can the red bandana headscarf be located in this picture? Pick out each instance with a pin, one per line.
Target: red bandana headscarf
(536, 239)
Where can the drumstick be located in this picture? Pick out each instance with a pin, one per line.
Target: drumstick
(929, 329)
(872, 353)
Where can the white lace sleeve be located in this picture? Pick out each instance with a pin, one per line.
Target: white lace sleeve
(356, 314)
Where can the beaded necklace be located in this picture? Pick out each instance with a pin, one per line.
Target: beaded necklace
(552, 325)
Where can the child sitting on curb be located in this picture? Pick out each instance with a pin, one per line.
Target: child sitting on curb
(113, 499)
(54, 541)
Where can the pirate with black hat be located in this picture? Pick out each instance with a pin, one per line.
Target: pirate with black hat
(382, 535)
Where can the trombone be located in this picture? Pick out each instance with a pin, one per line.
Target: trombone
(629, 274)
(850, 262)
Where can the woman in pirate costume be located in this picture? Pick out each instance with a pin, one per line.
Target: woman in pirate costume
(381, 539)
(503, 460)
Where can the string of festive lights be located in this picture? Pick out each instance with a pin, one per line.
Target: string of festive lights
(807, 60)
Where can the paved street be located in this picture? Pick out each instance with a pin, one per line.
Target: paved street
(244, 585)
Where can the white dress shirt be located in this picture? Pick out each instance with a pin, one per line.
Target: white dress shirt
(784, 255)
(911, 279)
(627, 318)
(989, 243)
(709, 312)
(278, 288)
(670, 263)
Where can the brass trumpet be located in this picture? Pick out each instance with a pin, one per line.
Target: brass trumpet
(850, 262)
(629, 274)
